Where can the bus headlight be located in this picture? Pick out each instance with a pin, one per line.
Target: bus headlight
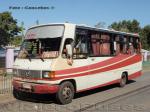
(48, 74)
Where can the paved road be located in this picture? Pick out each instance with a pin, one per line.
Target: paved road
(137, 103)
(134, 101)
(44, 103)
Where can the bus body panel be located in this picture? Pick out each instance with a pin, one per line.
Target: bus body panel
(86, 78)
(34, 64)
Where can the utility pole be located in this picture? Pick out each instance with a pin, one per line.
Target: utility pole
(37, 22)
(22, 29)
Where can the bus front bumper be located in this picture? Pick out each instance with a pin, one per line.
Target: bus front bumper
(35, 88)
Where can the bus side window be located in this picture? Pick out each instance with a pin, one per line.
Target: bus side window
(105, 44)
(80, 49)
(136, 44)
(95, 42)
(117, 44)
(131, 49)
(100, 44)
(67, 41)
(122, 44)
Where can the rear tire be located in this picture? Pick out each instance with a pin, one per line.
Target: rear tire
(123, 80)
(65, 93)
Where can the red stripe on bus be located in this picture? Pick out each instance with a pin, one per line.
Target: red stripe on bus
(130, 61)
(134, 75)
(92, 66)
(127, 62)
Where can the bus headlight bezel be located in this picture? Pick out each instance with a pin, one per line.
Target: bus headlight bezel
(48, 74)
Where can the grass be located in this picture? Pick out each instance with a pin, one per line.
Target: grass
(146, 63)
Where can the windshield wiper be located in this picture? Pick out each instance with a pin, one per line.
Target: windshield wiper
(41, 58)
(29, 57)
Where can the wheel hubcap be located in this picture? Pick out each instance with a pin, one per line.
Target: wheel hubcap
(124, 80)
(66, 92)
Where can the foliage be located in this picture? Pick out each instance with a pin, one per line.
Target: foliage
(134, 27)
(126, 26)
(16, 40)
(8, 28)
(100, 25)
(145, 37)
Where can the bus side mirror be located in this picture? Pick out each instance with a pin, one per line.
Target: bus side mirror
(69, 50)
(115, 46)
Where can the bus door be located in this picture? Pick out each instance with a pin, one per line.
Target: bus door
(80, 57)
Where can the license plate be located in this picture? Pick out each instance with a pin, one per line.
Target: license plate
(26, 85)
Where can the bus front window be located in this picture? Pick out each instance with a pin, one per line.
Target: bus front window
(40, 48)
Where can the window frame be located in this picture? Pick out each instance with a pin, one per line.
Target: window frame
(106, 41)
(111, 41)
(75, 38)
(64, 47)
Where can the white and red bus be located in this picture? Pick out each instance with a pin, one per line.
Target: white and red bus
(67, 58)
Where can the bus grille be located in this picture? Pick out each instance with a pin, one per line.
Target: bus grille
(27, 73)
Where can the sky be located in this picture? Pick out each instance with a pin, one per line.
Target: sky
(88, 12)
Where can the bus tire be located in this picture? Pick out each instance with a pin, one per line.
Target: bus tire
(17, 94)
(65, 93)
(123, 80)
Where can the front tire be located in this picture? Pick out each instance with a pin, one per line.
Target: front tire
(18, 94)
(65, 93)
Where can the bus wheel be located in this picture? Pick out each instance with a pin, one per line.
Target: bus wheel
(123, 80)
(17, 94)
(65, 93)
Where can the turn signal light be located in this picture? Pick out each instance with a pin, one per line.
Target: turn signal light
(51, 74)
(48, 74)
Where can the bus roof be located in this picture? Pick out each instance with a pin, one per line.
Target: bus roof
(91, 28)
(109, 30)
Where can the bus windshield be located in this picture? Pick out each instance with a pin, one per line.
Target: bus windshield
(42, 42)
(40, 48)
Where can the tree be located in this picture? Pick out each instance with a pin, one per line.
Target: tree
(133, 26)
(100, 25)
(126, 26)
(145, 37)
(8, 28)
(3, 37)
(16, 40)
